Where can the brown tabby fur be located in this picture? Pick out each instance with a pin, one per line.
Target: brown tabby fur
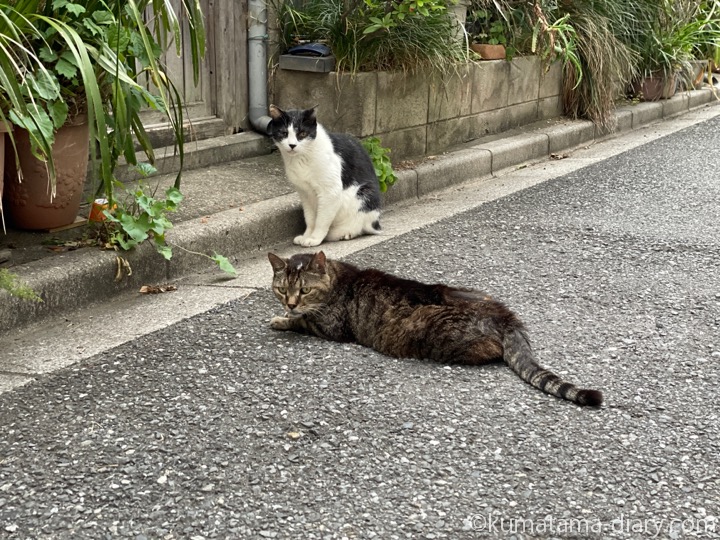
(408, 319)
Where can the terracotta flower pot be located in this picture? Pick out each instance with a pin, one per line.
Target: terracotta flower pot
(28, 203)
(489, 52)
(4, 128)
(655, 87)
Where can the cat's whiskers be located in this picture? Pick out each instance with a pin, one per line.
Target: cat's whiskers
(313, 309)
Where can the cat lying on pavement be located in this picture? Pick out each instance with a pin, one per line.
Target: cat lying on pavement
(408, 319)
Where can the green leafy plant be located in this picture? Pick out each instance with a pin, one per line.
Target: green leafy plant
(60, 59)
(368, 35)
(708, 14)
(667, 34)
(92, 57)
(396, 12)
(501, 22)
(25, 83)
(381, 161)
(608, 63)
(145, 218)
(12, 284)
(496, 34)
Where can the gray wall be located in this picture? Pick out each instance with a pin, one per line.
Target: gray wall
(415, 115)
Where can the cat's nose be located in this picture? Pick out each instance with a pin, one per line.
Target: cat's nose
(291, 305)
(292, 146)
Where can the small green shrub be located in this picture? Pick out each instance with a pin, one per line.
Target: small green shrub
(12, 284)
(146, 218)
(381, 161)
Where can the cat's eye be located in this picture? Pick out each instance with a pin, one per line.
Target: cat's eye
(282, 290)
(305, 290)
(302, 134)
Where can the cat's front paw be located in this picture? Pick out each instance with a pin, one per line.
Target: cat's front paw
(280, 323)
(308, 241)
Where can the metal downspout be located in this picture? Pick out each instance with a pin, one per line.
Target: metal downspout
(257, 66)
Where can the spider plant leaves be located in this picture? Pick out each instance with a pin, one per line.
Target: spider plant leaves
(95, 112)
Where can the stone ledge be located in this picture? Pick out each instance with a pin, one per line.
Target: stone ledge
(566, 136)
(702, 96)
(406, 187)
(645, 113)
(201, 154)
(512, 151)
(453, 168)
(679, 103)
(623, 122)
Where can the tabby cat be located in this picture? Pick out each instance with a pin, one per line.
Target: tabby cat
(408, 319)
(333, 175)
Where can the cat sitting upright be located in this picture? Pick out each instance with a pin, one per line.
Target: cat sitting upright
(333, 175)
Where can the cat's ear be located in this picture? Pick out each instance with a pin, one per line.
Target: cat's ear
(275, 112)
(318, 262)
(310, 115)
(278, 264)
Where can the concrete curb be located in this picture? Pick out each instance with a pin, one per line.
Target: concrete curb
(76, 279)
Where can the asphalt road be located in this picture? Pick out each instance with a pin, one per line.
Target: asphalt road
(218, 427)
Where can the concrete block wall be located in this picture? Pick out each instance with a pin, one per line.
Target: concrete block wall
(415, 115)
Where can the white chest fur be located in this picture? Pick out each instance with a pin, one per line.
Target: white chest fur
(312, 164)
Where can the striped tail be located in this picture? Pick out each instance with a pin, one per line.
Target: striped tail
(519, 356)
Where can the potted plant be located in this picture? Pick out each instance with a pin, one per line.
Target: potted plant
(80, 64)
(667, 45)
(706, 50)
(489, 30)
(16, 59)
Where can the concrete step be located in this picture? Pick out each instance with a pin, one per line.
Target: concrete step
(201, 153)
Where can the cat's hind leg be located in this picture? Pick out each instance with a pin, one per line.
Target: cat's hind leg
(351, 223)
(371, 223)
(480, 352)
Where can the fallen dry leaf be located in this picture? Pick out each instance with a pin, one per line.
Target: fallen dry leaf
(559, 156)
(123, 268)
(157, 289)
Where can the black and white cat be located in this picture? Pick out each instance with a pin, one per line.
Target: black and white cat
(333, 175)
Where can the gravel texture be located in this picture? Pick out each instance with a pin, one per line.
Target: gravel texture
(218, 427)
